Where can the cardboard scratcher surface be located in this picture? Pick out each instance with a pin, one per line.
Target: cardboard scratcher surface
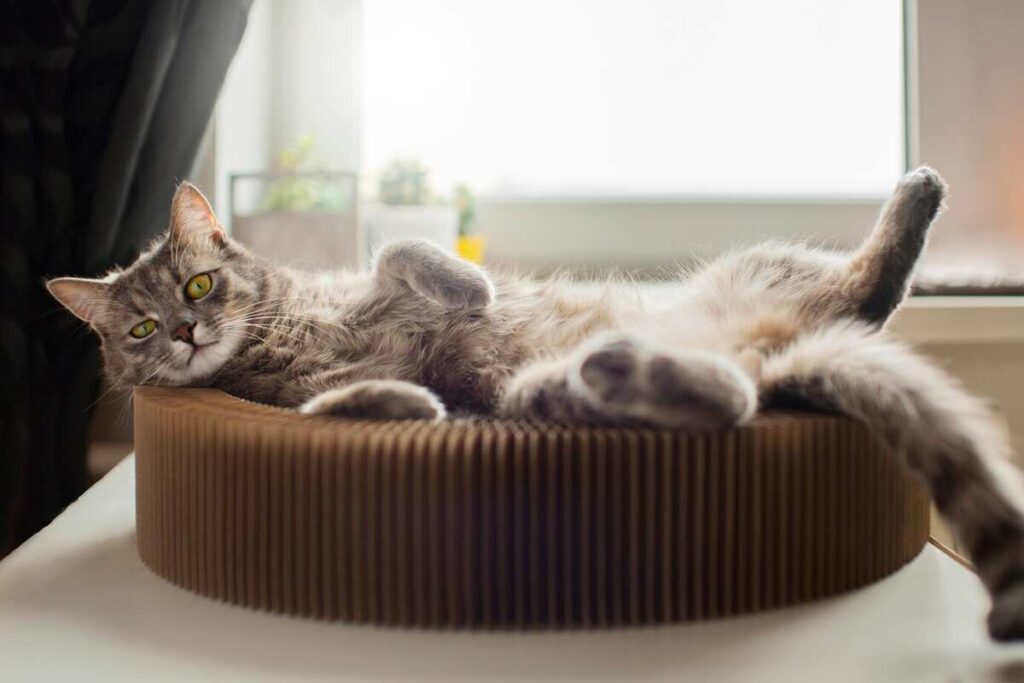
(477, 524)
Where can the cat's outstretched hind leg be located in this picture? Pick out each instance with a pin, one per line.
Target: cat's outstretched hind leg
(619, 380)
(877, 278)
(938, 431)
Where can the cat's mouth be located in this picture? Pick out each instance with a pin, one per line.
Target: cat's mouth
(198, 351)
(201, 359)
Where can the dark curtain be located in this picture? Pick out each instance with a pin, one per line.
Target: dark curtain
(103, 104)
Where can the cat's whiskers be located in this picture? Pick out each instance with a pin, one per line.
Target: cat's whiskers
(159, 365)
(253, 336)
(126, 405)
(299, 319)
(154, 367)
(254, 314)
(248, 328)
(104, 394)
(280, 319)
(290, 297)
(246, 314)
(271, 303)
(268, 309)
(269, 330)
(245, 325)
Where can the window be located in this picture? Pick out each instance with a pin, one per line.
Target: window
(630, 133)
(635, 99)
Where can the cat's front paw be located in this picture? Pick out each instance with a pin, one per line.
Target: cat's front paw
(377, 400)
(455, 284)
(463, 287)
(629, 382)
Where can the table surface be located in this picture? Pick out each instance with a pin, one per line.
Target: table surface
(76, 603)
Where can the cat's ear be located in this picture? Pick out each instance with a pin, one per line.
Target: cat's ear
(193, 218)
(81, 296)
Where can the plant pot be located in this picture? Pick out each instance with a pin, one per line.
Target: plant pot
(310, 240)
(471, 248)
(385, 223)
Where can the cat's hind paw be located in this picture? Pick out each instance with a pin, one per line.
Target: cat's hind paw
(377, 400)
(1006, 619)
(921, 191)
(631, 383)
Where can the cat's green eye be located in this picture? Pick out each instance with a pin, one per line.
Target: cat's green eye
(199, 286)
(143, 329)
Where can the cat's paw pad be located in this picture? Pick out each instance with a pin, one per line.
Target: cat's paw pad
(630, 383)
(465, 287)
(611, 371)
(715, 394)
(923, 187)
(1006, 620)
(377, 400)
(924, 177)
(432, 272)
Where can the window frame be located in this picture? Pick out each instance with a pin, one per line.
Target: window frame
(644, 233)
(647, 234)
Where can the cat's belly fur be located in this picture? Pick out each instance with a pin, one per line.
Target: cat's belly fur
(470, 367)
(467, 359)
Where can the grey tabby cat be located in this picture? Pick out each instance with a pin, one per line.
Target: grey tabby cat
(423, 333)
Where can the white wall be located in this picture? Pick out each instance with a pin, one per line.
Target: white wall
(243, 138)
(315, 76)
(969, 76)
(967, 120)
(295, 74)
(968, 106)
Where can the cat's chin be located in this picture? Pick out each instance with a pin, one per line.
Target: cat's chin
(203, 361)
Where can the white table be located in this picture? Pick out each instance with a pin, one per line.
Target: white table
(77, 604)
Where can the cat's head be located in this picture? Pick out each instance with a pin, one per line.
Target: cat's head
(176, 315)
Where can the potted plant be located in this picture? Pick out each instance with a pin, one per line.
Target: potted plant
(300, 215)
(470, 245)
(408, 208)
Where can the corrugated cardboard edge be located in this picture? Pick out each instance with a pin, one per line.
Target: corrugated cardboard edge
(503, 524)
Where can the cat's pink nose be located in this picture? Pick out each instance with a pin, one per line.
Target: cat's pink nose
(184, 333)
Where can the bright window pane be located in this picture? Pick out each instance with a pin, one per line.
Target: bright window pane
(631, 97)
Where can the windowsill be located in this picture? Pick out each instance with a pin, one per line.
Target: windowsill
(681, 199)
(961, 319)
(651, 237)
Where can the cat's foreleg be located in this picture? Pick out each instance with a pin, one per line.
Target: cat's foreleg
(618, 379)
(377, 399)
(429, 270)
(941, 433)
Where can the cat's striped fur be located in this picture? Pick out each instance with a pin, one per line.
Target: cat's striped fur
(770, 326)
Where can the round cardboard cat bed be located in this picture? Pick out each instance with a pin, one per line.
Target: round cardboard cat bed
(484, 524)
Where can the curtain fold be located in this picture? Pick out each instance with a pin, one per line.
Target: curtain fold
(103, 104)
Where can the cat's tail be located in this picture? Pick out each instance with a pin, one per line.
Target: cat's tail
(941, 433)
(878, 275)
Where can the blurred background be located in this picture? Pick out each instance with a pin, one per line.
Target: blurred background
(588, 135)
(596, 133)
